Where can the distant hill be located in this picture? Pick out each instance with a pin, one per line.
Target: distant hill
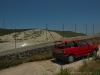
(66, 33)
(69, 33)
(10, 31)
(34, 35)
(28, 35)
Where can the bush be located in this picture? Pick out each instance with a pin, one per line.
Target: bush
(95, 71)
(64, 72)
(92, 67)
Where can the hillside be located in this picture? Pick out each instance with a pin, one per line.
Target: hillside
(26, 35)
(10, 31)
(34, 35)
(69, 33)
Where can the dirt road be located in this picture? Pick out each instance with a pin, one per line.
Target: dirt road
(47, 67)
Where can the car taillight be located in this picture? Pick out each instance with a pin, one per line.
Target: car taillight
(64, 51)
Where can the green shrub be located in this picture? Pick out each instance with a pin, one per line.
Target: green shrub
(68, 33)
(10, 63)
(95, 72)
(64, 71)
(92, 67)
(10, 31)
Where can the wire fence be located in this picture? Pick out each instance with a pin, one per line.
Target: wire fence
(25, 37)
(88, 29)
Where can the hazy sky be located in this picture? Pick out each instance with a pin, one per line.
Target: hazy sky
(36, 13)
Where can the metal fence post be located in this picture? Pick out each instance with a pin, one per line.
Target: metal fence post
(15, 38)
(63, 31)
(75, 29)
(93, 29)
(86, 29)
(46, 31)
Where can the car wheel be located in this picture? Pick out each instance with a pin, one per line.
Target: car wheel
(94, 53)
(70, 59)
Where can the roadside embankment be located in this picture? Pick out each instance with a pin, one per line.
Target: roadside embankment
(32, 50)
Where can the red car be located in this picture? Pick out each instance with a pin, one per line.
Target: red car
(68, 50)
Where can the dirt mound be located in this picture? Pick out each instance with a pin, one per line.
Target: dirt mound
(35, 35)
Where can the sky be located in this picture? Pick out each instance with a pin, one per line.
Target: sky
(21, 14)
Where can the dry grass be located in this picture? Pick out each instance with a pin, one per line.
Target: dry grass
(94, 41)
(90, 64)
(16, 62)
(88, 68)
(39, 57)
(92, 67)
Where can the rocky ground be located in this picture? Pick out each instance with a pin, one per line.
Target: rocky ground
(47, 67)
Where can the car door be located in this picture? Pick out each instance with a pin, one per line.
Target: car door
(83, 47)
(73, 48)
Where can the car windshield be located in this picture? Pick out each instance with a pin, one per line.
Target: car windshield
(59, 45)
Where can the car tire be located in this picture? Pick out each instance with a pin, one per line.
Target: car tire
(70, 59)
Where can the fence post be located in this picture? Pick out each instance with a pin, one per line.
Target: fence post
(15, 38)
(63, 31)
(86, 29)
(93, 29)
(37, 26)
(46, 31)
(75, 29)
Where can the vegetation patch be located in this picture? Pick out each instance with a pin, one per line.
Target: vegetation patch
(94, 41)
(15, 62)
(68, 33)
(92, 67)
(64, 72)
(10, 31)
(88, 68)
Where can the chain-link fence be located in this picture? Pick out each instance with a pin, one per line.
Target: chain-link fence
(24, 37)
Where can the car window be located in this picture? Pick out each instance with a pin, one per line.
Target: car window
(71, 44)
(59, 45)
(82, 43)
(75, 44)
